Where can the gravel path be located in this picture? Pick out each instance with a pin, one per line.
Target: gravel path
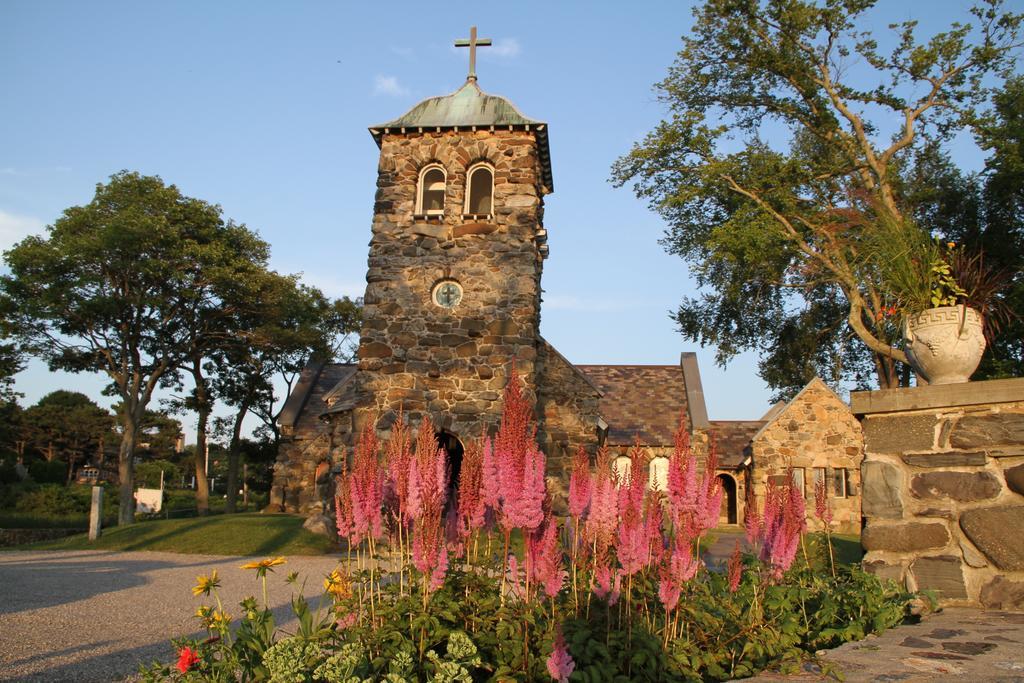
(96, 616)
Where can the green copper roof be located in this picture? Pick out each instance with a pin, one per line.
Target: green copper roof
(469, 108)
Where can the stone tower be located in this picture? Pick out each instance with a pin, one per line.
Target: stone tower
(457, 249)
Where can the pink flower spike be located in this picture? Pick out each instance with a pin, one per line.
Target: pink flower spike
(735, 569)
(579, 485)
(560, 663)
(440, 570)
(668, 591)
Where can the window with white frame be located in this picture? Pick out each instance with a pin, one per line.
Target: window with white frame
(841, 482)
(798, 480)
(820, 478)
(480, 191)
(430, 201)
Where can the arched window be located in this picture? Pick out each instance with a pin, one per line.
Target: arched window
(480, 191)
(432, 190)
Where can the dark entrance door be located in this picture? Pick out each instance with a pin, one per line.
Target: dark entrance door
(728, 514)
(453, 447)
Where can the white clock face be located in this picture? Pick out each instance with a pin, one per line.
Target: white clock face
(448, 294)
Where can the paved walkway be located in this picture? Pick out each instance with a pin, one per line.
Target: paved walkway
(96, 616)
(954, 644)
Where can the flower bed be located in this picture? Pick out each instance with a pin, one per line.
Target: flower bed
(616, 592)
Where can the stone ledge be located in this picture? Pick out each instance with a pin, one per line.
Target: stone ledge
(937, 396)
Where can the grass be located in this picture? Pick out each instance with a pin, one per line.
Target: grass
(238, 534)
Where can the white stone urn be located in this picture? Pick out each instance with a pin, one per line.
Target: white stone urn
(945, 344)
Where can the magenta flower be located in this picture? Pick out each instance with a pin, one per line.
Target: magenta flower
(735, 568)
(343, 506)
(440, 570)
(471, 504)
(752, 523)
(398, 456)
(524, 507)
(607, 584)
(490, 482)
(668, 590)
(602, 520)
(546, 557)
(579, 485)
(560, 663)
(822, 510)
(784, 522)
(366, 486)
(515, 584)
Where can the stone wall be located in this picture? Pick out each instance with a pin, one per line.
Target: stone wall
(944, 489)
(815, 432)
(566, 414)
(304, 454)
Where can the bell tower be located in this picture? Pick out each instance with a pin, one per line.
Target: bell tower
(454, 269)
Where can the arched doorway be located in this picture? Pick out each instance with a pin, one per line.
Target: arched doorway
(453, 447)
(728, 514)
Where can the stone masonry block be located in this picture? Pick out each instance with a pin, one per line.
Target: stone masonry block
(943, 574)
(899, 433)
(959, 486)
(905, 538)
(970, 459)
(1015, 479)
(996, 532)
(882, 485)
(1003, 594)
(979, 431)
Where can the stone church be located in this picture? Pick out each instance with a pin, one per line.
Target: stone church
(452, 305)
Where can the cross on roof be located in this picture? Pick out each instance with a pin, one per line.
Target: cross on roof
(472, 44)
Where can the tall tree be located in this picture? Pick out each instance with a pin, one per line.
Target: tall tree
(112, 288)
(788, 134)
(292, 324)
(67, 425)
(225, 282)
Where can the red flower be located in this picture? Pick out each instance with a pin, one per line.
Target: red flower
(187, 658)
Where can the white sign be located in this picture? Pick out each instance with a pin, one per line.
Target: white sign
(149, 500)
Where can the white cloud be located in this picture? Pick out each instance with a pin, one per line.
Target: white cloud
(14, 228)
(389, 85)
(505, 48)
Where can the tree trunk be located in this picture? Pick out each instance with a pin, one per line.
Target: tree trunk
(202, 483)
(126, 469)
(233, 458)
(203, 408)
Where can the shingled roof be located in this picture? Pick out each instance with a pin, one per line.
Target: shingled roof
(306, 404)
(732, 438)
(642, 401)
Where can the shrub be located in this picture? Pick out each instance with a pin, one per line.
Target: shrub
(8, 472)
(48, 472)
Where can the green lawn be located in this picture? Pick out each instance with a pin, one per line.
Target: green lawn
(239, 534)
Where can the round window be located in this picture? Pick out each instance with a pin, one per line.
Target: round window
(447, 294)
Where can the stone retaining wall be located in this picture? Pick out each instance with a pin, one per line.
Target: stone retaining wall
(943, 489)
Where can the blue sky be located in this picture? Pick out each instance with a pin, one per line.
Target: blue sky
(263, 108)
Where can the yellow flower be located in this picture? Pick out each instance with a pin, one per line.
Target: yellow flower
(338, 585)
(205, 584)
(263, 566)
(950, 245)
(220, 619)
